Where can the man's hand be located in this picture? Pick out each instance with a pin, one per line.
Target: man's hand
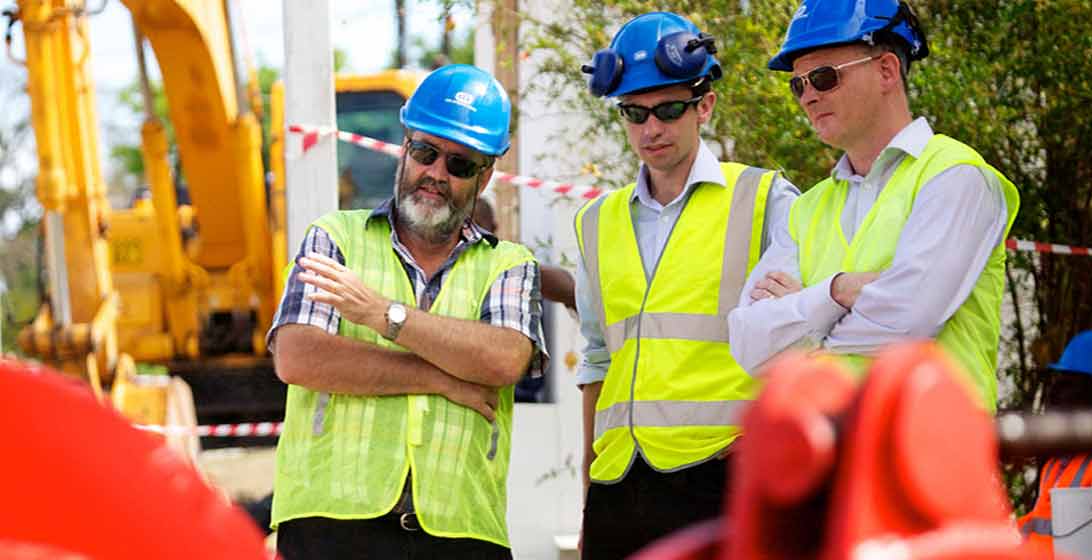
(478, 397)
(343, 289)
(846, 286)
(775, 285)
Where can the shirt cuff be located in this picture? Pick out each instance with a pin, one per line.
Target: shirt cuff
(588, 374)
(821, 311)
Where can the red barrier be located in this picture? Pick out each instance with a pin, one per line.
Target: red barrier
(77, 478)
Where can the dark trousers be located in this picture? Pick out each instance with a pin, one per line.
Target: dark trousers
(621, 518)
(385, 538)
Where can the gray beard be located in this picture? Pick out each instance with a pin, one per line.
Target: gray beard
(435, 225)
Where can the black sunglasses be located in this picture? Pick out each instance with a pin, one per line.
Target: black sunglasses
(457, 165)
(666, 111)
(823, 78)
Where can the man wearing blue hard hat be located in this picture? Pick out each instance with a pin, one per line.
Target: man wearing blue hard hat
(1069, 388)
(662, 262)
(905, 239)
(401, 333)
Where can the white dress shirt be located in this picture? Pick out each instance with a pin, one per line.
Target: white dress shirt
(653, 223)
(956, 221)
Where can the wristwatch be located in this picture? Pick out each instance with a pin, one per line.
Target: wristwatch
(396, 317)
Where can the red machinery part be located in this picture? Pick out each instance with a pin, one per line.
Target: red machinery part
(903, 467)
(77, 478)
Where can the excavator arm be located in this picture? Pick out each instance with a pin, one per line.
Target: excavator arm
(195, 276)
(76, 328)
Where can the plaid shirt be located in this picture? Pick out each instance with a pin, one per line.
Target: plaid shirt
(514, 301)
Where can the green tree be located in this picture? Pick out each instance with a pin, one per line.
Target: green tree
(18, 215)
(1012, 78)
(455, 45)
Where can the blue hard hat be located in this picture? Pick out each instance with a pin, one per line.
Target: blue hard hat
(827, 23)
(1077, 357)
(464, 104)
(652, 50)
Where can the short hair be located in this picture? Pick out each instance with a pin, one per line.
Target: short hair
(702, 86)
(890, 42)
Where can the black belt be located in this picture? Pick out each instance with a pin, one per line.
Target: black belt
(407, 521)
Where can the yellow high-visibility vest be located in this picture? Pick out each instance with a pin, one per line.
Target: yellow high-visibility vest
(673, 392)
(971, 334)
(347, 457)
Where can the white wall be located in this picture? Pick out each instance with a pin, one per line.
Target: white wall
(544, 485)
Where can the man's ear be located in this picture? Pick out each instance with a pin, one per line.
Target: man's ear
(705, 107)
(890, 72)
(484, 177)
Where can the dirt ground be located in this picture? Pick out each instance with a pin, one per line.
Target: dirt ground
(243, 473)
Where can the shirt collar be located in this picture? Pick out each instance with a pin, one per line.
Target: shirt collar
(706, 169)
(910, 140)
(471, 232)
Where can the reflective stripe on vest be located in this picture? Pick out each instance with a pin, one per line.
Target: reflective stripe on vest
(1039, 526)
(972, 333)
(347, 457)
(672, 391)
(686, 326)
(1071, 471)
(669, 414)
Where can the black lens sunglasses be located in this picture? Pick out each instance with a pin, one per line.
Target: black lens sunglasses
(666, 111)
(457, 165)
(824, 78)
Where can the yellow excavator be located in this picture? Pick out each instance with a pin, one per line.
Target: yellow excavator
(189, 277)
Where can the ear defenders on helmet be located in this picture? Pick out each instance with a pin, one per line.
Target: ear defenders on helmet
(605, 70)
(682, 55)
(679, 56)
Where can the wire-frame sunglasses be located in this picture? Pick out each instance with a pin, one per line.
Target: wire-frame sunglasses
(824, 78)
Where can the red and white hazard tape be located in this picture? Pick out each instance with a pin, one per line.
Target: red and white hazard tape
(311, 137)
(1039, 247)
(218, 430)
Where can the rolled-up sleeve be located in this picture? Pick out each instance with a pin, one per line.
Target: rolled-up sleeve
(295, 308)
(596, 360)
(514, 301)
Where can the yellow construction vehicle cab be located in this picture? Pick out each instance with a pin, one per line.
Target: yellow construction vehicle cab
(190, 276)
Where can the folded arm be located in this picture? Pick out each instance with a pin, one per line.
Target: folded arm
(469, 350)
(957, 220)
(762, 326)
(310, 357)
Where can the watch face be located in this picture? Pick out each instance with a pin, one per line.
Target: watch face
(396, 313)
